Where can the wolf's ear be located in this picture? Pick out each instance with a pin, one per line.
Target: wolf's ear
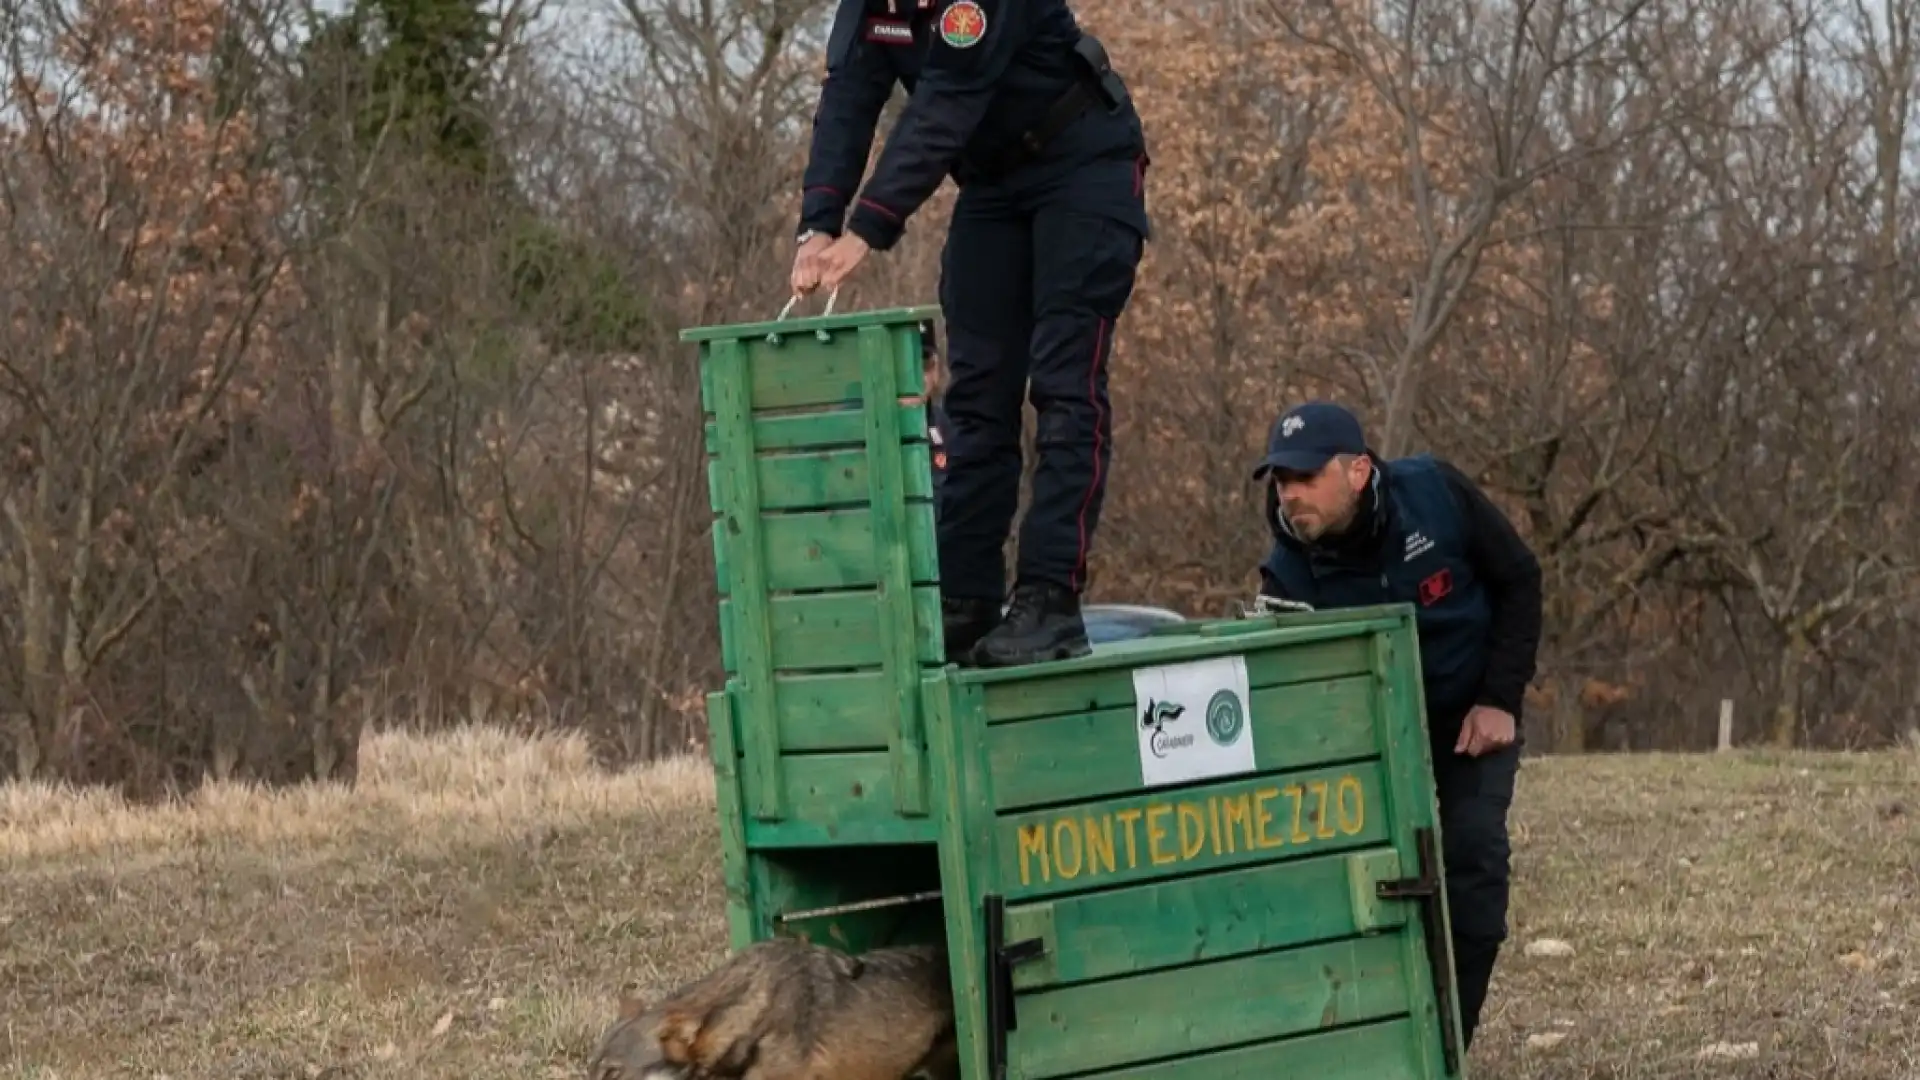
(676, 1033)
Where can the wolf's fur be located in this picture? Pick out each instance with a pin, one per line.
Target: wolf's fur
(788, 1010)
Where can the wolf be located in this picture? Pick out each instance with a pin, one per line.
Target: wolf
(785, 1009)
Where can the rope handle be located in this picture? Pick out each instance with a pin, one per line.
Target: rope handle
(773, 336)
(795, 298)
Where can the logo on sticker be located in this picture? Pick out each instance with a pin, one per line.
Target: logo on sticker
(1155, 719)
(1225, 719)
(963, 24)
(1159, 714)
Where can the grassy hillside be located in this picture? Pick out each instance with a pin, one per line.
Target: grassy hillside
(471, 910)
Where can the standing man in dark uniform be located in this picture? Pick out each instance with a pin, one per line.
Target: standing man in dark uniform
(1351, 531)
(1020, 107)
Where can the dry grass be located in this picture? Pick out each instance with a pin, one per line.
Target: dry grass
(469, 911)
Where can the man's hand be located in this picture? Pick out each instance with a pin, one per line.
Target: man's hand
(838, 261)
(806, 263)
(1486, 729)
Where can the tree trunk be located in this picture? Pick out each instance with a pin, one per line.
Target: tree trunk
(1569, 735)
(33, 729)
(1786, 711)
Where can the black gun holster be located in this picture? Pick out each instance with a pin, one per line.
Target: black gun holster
(1096, 84)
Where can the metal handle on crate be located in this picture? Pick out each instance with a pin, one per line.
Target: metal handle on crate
(1264, 605)
(773, 336)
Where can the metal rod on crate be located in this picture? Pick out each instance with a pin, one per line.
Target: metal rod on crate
(858, 905)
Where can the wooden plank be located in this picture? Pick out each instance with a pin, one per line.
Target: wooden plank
(839, 793)
(747, 576)
(832, 549)
(1410, 800)
(833, 478)
(843, 426)
(839, 630)
(905, 320)
(1044, 693)
(725, 752)
(1081, 756)
(1162, 834)
(867, 832)
(957, 773)
(841, 711)
(1376, 1051)
(1201, 918)
(804, 371)
(1181, 642)
(1267, 995)
(897, 624)
(1365, 872)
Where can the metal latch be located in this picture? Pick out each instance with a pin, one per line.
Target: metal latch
(1426, 889)
(1001, 958)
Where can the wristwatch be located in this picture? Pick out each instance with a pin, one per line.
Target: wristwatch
(806, 235)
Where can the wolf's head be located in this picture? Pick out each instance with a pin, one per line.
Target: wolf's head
(630, 1050)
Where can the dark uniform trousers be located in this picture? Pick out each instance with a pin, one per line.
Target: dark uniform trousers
(1023, 111)
(1475, 795)
(1036, 271)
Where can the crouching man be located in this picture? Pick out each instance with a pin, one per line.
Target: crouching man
(1350, 530)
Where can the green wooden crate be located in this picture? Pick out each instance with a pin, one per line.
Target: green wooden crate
(820, 475)
(1105, 916)
(1245, 882)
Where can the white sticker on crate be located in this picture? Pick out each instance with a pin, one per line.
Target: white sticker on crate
(1193, 720)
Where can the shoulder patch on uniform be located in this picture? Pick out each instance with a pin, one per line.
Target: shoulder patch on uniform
(963, 24)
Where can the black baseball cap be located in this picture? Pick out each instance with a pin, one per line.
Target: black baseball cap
(1308, 436)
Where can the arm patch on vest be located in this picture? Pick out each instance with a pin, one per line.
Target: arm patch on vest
(1435, 587)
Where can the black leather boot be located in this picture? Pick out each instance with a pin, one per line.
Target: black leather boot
(1042, 624)
(963, 621)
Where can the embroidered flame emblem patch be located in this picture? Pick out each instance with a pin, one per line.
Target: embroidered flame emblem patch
(963, 24)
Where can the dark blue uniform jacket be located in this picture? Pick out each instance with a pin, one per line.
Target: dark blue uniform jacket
(978, 74)
(1426, 535)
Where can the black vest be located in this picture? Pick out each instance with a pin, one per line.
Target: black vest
(1419, 558)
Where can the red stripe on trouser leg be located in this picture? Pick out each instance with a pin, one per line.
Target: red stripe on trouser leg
(1093, 483)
